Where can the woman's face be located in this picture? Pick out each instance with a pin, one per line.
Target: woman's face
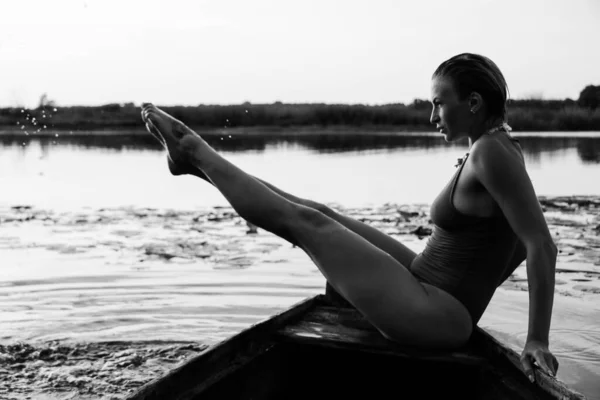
(451, 116)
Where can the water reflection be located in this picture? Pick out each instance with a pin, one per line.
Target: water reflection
(587, 148)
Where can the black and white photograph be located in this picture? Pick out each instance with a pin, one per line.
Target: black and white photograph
(274, 199)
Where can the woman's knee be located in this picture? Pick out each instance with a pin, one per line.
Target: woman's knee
(312, 217)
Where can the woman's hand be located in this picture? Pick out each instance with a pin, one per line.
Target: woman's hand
(536, 351)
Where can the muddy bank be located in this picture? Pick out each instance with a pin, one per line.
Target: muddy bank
(86, 370)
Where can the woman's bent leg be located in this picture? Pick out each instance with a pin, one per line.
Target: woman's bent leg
(381, 288)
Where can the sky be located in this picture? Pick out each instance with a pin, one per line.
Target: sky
(189, 52)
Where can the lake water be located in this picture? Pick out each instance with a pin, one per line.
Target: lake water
(96, 172)
(65, 279)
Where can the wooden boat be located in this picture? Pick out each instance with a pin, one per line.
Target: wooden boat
(323, 348)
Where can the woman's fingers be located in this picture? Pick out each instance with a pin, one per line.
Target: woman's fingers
(527, 367)
(545, 360)
(555, 364)
(542, 360)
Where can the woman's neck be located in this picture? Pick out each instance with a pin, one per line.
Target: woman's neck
(486, 127)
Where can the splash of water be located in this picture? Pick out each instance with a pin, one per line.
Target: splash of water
(36, 120)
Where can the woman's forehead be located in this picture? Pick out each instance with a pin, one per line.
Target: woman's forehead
(441, 87)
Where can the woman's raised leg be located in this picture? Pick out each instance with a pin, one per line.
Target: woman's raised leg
(380, 287)
(393, 247)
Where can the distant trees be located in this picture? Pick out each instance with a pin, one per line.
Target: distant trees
(589, 97)
(531, 114)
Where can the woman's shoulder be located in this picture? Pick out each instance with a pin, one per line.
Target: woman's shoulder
(498, 147)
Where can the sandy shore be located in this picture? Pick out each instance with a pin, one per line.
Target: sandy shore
(49, 350)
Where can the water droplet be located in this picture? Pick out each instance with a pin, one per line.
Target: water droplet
(43, 115)
(53, 142)
(55, 110)
(23, 143)
(221, 138)
(26, 133)
(22, 111)
(22, 126)
(18, 122)
(45, 126)
(226, 120)
(246, 111)
(229, 135)
(56, 135)
(27, 118)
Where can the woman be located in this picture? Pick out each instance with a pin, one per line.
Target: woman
(485, 220)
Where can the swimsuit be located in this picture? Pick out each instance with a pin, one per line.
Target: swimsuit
(467, 256)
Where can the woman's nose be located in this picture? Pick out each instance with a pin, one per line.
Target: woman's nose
(434, 117)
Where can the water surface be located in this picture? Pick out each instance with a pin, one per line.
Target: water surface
(100, 171)
(91, 265)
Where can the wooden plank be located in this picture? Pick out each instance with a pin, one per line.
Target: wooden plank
(345, 328)
(498, 353)
(199, 373)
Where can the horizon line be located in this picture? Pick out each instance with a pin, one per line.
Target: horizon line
(276, 102)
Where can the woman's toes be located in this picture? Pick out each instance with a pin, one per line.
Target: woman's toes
(152, 129)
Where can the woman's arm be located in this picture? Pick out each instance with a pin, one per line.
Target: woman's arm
(500, 169)
(541, 262)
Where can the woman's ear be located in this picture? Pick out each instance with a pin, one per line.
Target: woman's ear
(475, 102)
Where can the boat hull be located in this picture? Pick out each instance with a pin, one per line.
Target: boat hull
(323, 349)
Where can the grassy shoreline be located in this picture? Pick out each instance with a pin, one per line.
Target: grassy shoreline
(523, 116)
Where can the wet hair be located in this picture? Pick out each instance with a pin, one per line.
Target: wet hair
(476, 73)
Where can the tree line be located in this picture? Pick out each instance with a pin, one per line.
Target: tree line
(523, 115)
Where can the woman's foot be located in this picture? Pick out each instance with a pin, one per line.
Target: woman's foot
(177, 161)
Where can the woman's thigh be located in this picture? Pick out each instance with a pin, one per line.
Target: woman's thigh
(393, 247)
(379, 286)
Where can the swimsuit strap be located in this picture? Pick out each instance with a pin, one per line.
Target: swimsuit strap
(455, 180)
